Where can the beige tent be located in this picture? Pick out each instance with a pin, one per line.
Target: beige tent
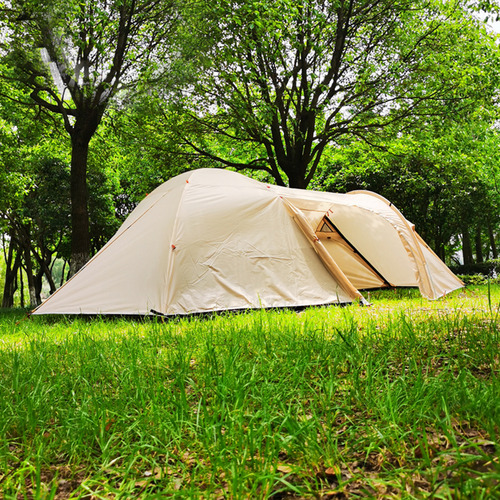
(211, 240)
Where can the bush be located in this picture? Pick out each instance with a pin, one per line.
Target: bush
(488, 268)
(478, 279)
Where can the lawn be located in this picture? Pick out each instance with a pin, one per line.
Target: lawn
(400, 399)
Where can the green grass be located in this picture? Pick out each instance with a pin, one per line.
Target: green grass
(397, 400)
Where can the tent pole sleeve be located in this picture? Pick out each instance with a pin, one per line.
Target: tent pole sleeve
(322, 252)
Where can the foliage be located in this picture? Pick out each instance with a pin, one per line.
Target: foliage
(74, 57)
(143, 149)
(396, 399)
(479, 273)
(32, 197)
(35, 198)
(280, 81)
(478, 279)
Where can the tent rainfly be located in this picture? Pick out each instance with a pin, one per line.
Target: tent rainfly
(212, 240)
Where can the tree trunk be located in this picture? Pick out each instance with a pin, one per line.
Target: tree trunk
(80, 227)
(31, 279)
(21, 285)
(38, 284)
(438, 242)
(478, 245)
(466, 247)
(44, 261)
(440, 250)
(10, 276)
(493, 245)
(62, 274)
(48, 274)
(296, 179)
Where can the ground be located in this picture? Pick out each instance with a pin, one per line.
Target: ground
(399, 399)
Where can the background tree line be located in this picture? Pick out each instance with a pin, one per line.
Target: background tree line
(102, 100)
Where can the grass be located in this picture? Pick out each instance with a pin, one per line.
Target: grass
(396, 400)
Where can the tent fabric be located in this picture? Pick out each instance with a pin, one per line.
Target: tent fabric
(212, 240)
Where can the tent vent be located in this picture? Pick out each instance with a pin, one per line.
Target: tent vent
(325, 228)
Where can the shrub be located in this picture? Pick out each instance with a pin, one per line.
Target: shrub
(488, 268)
(478, 279)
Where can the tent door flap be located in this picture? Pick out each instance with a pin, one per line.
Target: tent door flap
(326, 226)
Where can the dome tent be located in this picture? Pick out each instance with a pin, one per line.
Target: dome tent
(212, 240)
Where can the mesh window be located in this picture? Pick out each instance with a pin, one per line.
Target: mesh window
(325, 228)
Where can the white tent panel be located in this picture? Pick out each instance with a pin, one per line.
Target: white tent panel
(252, 254)
(442, 279)
(123, 277)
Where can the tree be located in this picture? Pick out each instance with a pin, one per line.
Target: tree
(35, 213)
(34, 198)
(75, 56)
(281, 80)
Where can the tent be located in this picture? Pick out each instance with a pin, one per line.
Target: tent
(212, 240)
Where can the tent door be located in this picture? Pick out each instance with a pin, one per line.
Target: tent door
(327, 229)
